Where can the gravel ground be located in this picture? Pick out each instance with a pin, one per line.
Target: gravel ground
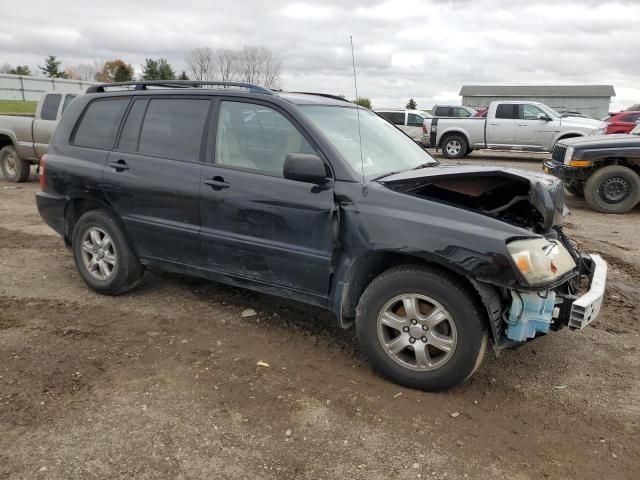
(164, 382)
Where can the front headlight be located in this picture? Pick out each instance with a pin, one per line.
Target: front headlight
(540, 260)
(567, 155)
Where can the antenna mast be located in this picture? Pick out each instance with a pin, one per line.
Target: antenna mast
(355, 86)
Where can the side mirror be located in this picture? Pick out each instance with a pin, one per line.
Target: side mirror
(544, 117)
(304, 167)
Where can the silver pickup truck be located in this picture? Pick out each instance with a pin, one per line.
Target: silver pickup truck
(514, 125)
(23, 140)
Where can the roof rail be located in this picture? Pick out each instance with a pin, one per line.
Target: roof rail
(326, 95)
(143, 84)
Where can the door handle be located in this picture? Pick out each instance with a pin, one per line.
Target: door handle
(522, 124)
(120, 166)
(494, 124)
(217, 182)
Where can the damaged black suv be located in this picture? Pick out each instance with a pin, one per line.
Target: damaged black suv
(311, 198)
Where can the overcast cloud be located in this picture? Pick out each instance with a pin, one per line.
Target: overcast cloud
(404, 48)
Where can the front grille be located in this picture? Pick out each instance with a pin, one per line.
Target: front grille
(558, 153)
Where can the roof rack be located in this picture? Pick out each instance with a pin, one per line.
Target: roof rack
(326, 95)
(144, 84)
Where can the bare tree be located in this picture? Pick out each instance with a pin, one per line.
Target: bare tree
(5, 68)
(227, 64)
(84, 71)
(201, 63)
(258, 65)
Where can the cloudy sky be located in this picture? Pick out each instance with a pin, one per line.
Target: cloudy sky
(404, 48)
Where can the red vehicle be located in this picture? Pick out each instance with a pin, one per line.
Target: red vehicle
(622, 122)
(482, 113)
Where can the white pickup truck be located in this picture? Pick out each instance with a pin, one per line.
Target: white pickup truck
(23, 140)
(513, 125)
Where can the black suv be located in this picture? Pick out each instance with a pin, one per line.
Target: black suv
(309, 197)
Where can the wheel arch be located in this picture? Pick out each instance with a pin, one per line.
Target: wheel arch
(363, 269)
(6, 140)
(564, 136)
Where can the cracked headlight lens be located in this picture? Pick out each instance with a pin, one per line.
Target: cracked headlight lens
(540, 260)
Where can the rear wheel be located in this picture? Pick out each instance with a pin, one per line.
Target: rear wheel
(103, 256)
(13, 167)
(613, 189)
(420, 328)
(454, 146)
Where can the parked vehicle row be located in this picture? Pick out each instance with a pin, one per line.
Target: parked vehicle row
(605, 169)
(23, 140)
(315, 199)
(513, 125)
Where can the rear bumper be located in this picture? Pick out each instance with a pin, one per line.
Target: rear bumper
(51, 209)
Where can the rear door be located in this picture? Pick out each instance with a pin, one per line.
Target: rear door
(501, 130)
(152, 177)
(414, 126)
(257, 225)
(531, 131)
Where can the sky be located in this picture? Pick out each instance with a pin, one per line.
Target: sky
(405, 48)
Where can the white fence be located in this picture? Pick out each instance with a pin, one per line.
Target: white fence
(23, 87)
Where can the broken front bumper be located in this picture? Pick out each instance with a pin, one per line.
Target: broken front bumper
(586, 308)
(533, 313)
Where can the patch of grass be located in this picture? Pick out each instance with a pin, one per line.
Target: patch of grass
(17, 107)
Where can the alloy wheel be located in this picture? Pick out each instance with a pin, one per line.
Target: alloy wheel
(98, 253)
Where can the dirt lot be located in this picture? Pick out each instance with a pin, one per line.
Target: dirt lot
(163, 382)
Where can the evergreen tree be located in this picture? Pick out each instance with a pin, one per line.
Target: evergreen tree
(412, 105)
(363, 102)
(183, 76)
(51, 67)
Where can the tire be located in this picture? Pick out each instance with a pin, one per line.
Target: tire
(464, 326)
(13, 167)
(454, 146)
(613, 189)
(577, 190)
(122, 270)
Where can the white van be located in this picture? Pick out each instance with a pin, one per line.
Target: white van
(409, 121)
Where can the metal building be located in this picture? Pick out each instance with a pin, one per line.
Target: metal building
(592, 100)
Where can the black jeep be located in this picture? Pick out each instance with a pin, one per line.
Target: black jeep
(605, 169)
(309, 197)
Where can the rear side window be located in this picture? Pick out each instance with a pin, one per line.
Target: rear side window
(99, 124)
(50, 106)
(67, 100)
(632, 117)
(507, 110)
(444, 112)
(131, 129)
(397, 118)
(172, 128)
(414, 120)
(461, 112)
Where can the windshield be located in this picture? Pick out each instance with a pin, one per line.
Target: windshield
(384, 148)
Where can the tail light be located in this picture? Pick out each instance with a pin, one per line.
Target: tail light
(424, 129)
(41, 171)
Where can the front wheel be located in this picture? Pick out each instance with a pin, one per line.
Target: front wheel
(13, 167)
(454, 146)
(613, 189)
(421, 328)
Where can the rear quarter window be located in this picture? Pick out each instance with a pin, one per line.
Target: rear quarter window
(99, 124)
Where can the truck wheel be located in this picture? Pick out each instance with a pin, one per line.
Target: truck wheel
(103, 255)
(613, 189)
(575, 189)
(13, 167)
(454, 146)
(420, 328)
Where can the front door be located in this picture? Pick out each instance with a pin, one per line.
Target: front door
(531, 131)
(152, 178)
(256, 224)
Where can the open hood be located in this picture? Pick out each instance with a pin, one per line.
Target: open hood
(526, 199)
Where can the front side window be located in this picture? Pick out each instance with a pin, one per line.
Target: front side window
(173, 127)
(444, 112)
(415, 120)
(99, 124)
(383, 149)
(531, 112)
(50, 106)
(256, 137)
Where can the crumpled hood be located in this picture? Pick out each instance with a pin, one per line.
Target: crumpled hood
(498, 192)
